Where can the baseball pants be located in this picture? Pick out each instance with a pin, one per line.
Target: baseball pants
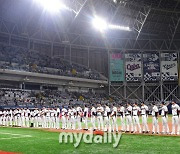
(122, 123)
(129, 123)
(155, 127)
(100, 122)
(93, 121)
(136, 124)
(144, 123)
(107, 125)
(175, 124)
(114, 123)
(165, 127)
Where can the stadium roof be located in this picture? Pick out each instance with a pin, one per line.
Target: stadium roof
(148, 19)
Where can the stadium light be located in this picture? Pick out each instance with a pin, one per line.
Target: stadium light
(119, 27)
(53, 6)
(100, 23)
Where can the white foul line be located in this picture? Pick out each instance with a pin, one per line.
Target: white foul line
(14, 136)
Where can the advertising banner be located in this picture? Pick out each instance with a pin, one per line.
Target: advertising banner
(151, 67)
(169, 67)
(133, 67)
(116, 67)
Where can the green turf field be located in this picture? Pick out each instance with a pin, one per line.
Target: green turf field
(33, 141)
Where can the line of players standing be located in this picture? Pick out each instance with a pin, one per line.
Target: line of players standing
(102, 118)
(106, 118)
(45, 117)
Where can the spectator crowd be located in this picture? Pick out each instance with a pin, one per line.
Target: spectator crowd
(15, 58)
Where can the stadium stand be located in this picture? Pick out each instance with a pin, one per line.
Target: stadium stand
(21, 59)
(18, 98)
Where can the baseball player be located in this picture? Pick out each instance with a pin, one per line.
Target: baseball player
(93, 117)
(43, 116)
(32, 118)
(121, 112)
(135, 113)
(72, 118)
(79, 117)
(175, 119)
(86, 111)
(144, 114)
(1, 117)
(16, 117)
(5, 117)
(107, 112)
(10, 117)
(114, 118)
(23, 117)
(36, 112)
(57, 114)
(48, 118)
(64, 121)
(155, 113)
(68, 118)
(39, 120)
(129, 118)
(52, 118)
(27, 116)
(100, 111)
(164, 112)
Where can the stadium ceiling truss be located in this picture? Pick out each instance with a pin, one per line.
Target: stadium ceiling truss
(10, 30)
(155, 27)
(147, 92)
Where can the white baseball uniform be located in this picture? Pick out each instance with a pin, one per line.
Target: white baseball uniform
(48, 118)
(64, 121)
(27, 116)
(144, 110)
(175, 119)
(155, 119)
(122, 116)
(129, 118)
(114, 119)
(107, 125)
(99, 111)
(93, 117)
(165, 127)
(73, 116)
(86, 111)
(79, 118)
(57, 118)
(135, 111)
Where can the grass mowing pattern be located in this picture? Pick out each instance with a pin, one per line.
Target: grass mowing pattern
(43, 142)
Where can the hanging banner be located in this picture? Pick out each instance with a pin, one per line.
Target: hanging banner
(116, 67)
(169, 67)
(133, 67)
(151, 67)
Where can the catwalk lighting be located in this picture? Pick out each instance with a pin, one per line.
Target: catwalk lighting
(119, 27)
(101, 24)
(53, 6)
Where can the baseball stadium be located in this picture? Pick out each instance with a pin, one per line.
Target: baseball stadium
(89, 76)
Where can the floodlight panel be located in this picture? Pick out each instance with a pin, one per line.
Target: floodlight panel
(53, 6)
(100, 23)
(119, 27)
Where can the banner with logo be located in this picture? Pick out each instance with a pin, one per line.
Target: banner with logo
(151, 67)
(133, 67)
(116, 67)
(169, 67)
